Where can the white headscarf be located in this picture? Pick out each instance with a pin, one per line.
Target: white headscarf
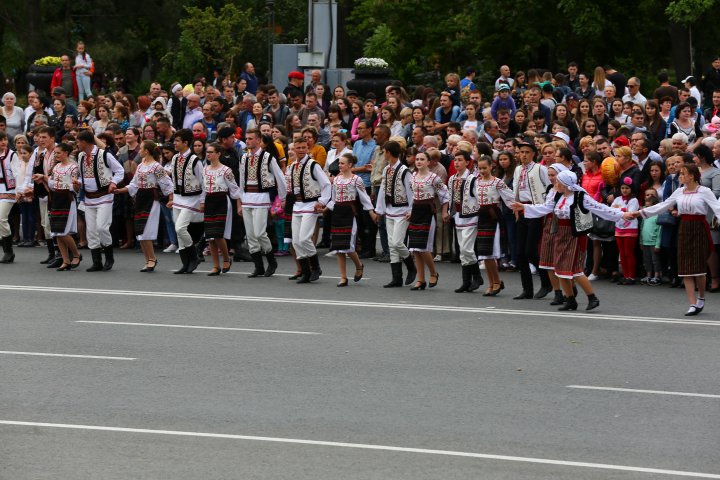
(569, 179)
(558, 167)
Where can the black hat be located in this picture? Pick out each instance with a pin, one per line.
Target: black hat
(526, 142)
(225, 132)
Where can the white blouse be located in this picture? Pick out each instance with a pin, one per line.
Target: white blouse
(219, 180)
(62, 177)
(428, 188)
(151, 175)
(561, 209)
(687, 203)
(348, 190)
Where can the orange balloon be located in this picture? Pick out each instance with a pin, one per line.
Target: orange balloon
(610, 171)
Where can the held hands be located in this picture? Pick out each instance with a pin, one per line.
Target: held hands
(169, 204)
(374, 216)
(112, 188)
(319, 207)
(446, 217)
(674, 213)
(38, 177)
(517, 207)
(630, 215)
(202, 207)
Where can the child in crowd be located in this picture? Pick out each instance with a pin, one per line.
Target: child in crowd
(626, 231)
(650, 243)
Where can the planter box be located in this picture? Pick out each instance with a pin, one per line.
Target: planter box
(40, 76)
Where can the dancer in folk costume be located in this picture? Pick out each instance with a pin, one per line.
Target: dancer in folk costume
(8, 158)
(394, 201)
(569, 246)
(426, 186)
(347, 191)
(150, 182)
(218, 188)
(490, 192)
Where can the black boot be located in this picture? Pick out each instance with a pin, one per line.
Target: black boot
(570, 304)
(109, 258)
(51, 251)
(411, 270)
(8, 256)
(593, 302)
(305, 269)
(558, 299)
(259, 267)
(272, 264)
(396, 276)
(466, 276)
(184, 259)
(57, 259)
(242, 254)
(192, 259)
(543, 292)
(475, 277)
(315, 271)
(97, 265)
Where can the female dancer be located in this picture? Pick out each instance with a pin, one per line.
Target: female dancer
(218, 180)
(150, 182)
(568, 250)
(8, 159)
(490, 191)
(426, 186)
(694, 245)
(63, 182)
(347, 189)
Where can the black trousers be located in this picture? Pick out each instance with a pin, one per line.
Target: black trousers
(528, 236)
(369, 230)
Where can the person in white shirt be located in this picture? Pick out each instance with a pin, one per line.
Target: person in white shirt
(690, 83)
(7, 196)
(634, 95)
(100, 173)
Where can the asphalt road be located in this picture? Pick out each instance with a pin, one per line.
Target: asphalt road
(284, 381)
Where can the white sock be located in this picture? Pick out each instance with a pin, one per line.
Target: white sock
(692, 308)
(700, 302)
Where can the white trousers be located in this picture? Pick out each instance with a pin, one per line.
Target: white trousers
(466, 241)
(303, 228)
(255, 220)
(183, 218)
(5, 208)
(98, 220)
(44, 216)
(396, 231)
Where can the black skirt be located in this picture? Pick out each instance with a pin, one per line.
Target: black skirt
(488, 218)
(59, 211)
(287, 215)
(421, 218)
(216, 209)
(144, 200)
(342, 223)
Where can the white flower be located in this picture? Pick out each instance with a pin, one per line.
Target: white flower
(371, 63)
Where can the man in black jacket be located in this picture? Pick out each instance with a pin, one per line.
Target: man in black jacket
(230, 158)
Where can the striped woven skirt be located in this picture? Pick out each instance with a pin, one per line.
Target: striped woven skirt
(568, 251)
(63, 213)
(421, 231)
(547, 259)
(694, 245)
(287, 216)
(344, 228)
(216, 213)
(144, 200)
(487, 241)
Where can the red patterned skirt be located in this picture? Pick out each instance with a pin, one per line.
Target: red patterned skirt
(568, 251)
(694, 245)
(547, 258)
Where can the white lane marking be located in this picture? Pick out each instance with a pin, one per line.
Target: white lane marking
(40, 354)
(363, 446)
(200, 327)
(633, 390)
(347, 303)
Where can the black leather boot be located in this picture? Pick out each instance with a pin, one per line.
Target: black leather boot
(7, 246)
(593, 302)
(396, 276)
(315, 271)
(272, 264)
(558, 299)
(411, 270)
(570, 304)
(305, 269)
(97, 265)
(259, 267)
(109, 258)
(476, 277)
(51, 251)
(193, 260)
(184, 258)
(466, 276)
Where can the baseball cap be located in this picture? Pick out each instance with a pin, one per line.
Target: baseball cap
(503, 86)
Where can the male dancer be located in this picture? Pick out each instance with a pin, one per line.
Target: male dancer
(100, 173)
(187, 175)
(260, 176)
(312, 190)
(394, 200)
(42, 160)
